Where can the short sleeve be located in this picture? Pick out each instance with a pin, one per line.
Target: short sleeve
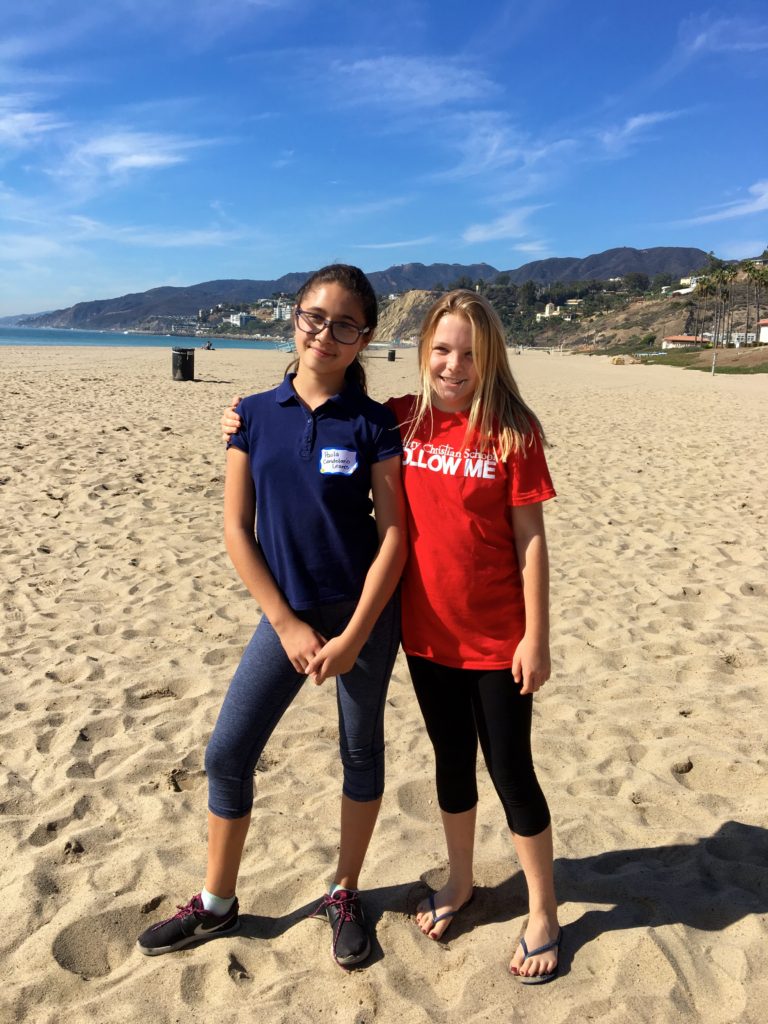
(528, 475)
(388, 442)
(241, 438)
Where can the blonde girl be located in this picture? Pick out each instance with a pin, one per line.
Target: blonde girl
(476, 602)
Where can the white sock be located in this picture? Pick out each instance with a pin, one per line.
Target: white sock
(216, 904)
(335, 888)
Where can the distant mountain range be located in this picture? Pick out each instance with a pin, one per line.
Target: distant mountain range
(129, 311)
(674, 260)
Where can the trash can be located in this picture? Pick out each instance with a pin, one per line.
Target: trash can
(183, 364)
(391, 355)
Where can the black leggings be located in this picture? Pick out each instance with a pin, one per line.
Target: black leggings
(461, 705)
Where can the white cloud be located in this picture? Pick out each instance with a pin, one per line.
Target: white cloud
(757, 203)
(127, 150)
(489, 144)
(21, 126)
(411, 81)
(286, 157)
(368, 209)
(112, 157)
(701, 35)
(427, 240)
(511, 225)
(154, 237)
(616, 140)
(20, 248)
(533, 248)
(704, 37)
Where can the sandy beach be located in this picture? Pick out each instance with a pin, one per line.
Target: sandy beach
(123, 621)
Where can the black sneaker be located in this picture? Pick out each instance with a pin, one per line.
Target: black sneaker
(344, 911)
(193, 923)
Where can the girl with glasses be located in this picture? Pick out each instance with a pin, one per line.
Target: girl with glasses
(315, 456)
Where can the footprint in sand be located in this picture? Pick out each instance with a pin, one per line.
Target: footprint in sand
(417, 799)
(96, 944)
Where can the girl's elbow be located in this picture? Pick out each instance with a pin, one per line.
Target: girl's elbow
(235, 535)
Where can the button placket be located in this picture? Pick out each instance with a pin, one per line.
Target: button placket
(307, 438)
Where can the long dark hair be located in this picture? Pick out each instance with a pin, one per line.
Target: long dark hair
(353, 280)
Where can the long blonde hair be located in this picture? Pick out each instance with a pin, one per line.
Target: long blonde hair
(498, 414)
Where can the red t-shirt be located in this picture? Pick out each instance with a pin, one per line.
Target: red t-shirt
(462, 592)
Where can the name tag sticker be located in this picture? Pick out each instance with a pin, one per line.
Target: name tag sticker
(338, 461)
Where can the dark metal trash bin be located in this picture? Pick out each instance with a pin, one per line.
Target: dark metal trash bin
(391, 355)
(183, 364)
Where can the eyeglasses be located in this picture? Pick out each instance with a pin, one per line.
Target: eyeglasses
(341, 331)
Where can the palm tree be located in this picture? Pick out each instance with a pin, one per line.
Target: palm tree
(720, 282)
(749, 268)
(729, 273)
(705, 290)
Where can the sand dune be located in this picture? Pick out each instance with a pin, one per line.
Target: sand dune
(123, 621)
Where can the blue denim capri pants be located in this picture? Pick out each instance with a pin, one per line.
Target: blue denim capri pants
(262, 689)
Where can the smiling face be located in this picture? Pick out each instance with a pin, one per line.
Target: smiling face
(452, 373)
(321, 353)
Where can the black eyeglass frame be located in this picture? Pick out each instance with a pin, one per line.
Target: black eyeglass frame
(330, 324)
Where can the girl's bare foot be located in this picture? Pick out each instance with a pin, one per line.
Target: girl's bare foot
(542, 929)
(434, 914)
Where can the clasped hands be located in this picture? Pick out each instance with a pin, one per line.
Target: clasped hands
(314, 656)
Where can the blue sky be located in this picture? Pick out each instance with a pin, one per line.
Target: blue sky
(152, 142)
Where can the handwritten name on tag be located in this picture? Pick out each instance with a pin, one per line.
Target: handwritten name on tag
(338, 461)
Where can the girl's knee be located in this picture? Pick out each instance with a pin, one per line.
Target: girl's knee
(217, 761)
(363, 774)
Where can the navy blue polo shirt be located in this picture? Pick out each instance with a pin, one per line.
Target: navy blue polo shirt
(311, 473)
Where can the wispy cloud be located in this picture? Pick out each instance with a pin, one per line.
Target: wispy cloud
(756, 203)
(411, 81)
(113, 157)
(285, 158)
(511, 225)
(70, 237)
(369, 208)
(427, 240)
(704, 34)
(120, 151)
(22, 126)
(28, 248)
(488, 143)
(153, 237)
(617, 140)
(537, 248)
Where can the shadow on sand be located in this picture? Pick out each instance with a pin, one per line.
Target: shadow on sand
(707, 884)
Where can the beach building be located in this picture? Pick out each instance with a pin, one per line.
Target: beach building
(739, 338)
(762, 332)
(675, 341)
(238, 319)
(687, 285)
(550, 310)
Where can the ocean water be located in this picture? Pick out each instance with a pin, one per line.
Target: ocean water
(49, 336)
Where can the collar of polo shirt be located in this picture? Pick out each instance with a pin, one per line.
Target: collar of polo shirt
(285, 393)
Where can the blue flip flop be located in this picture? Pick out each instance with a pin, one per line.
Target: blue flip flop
(541, 979)
(448, 913)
